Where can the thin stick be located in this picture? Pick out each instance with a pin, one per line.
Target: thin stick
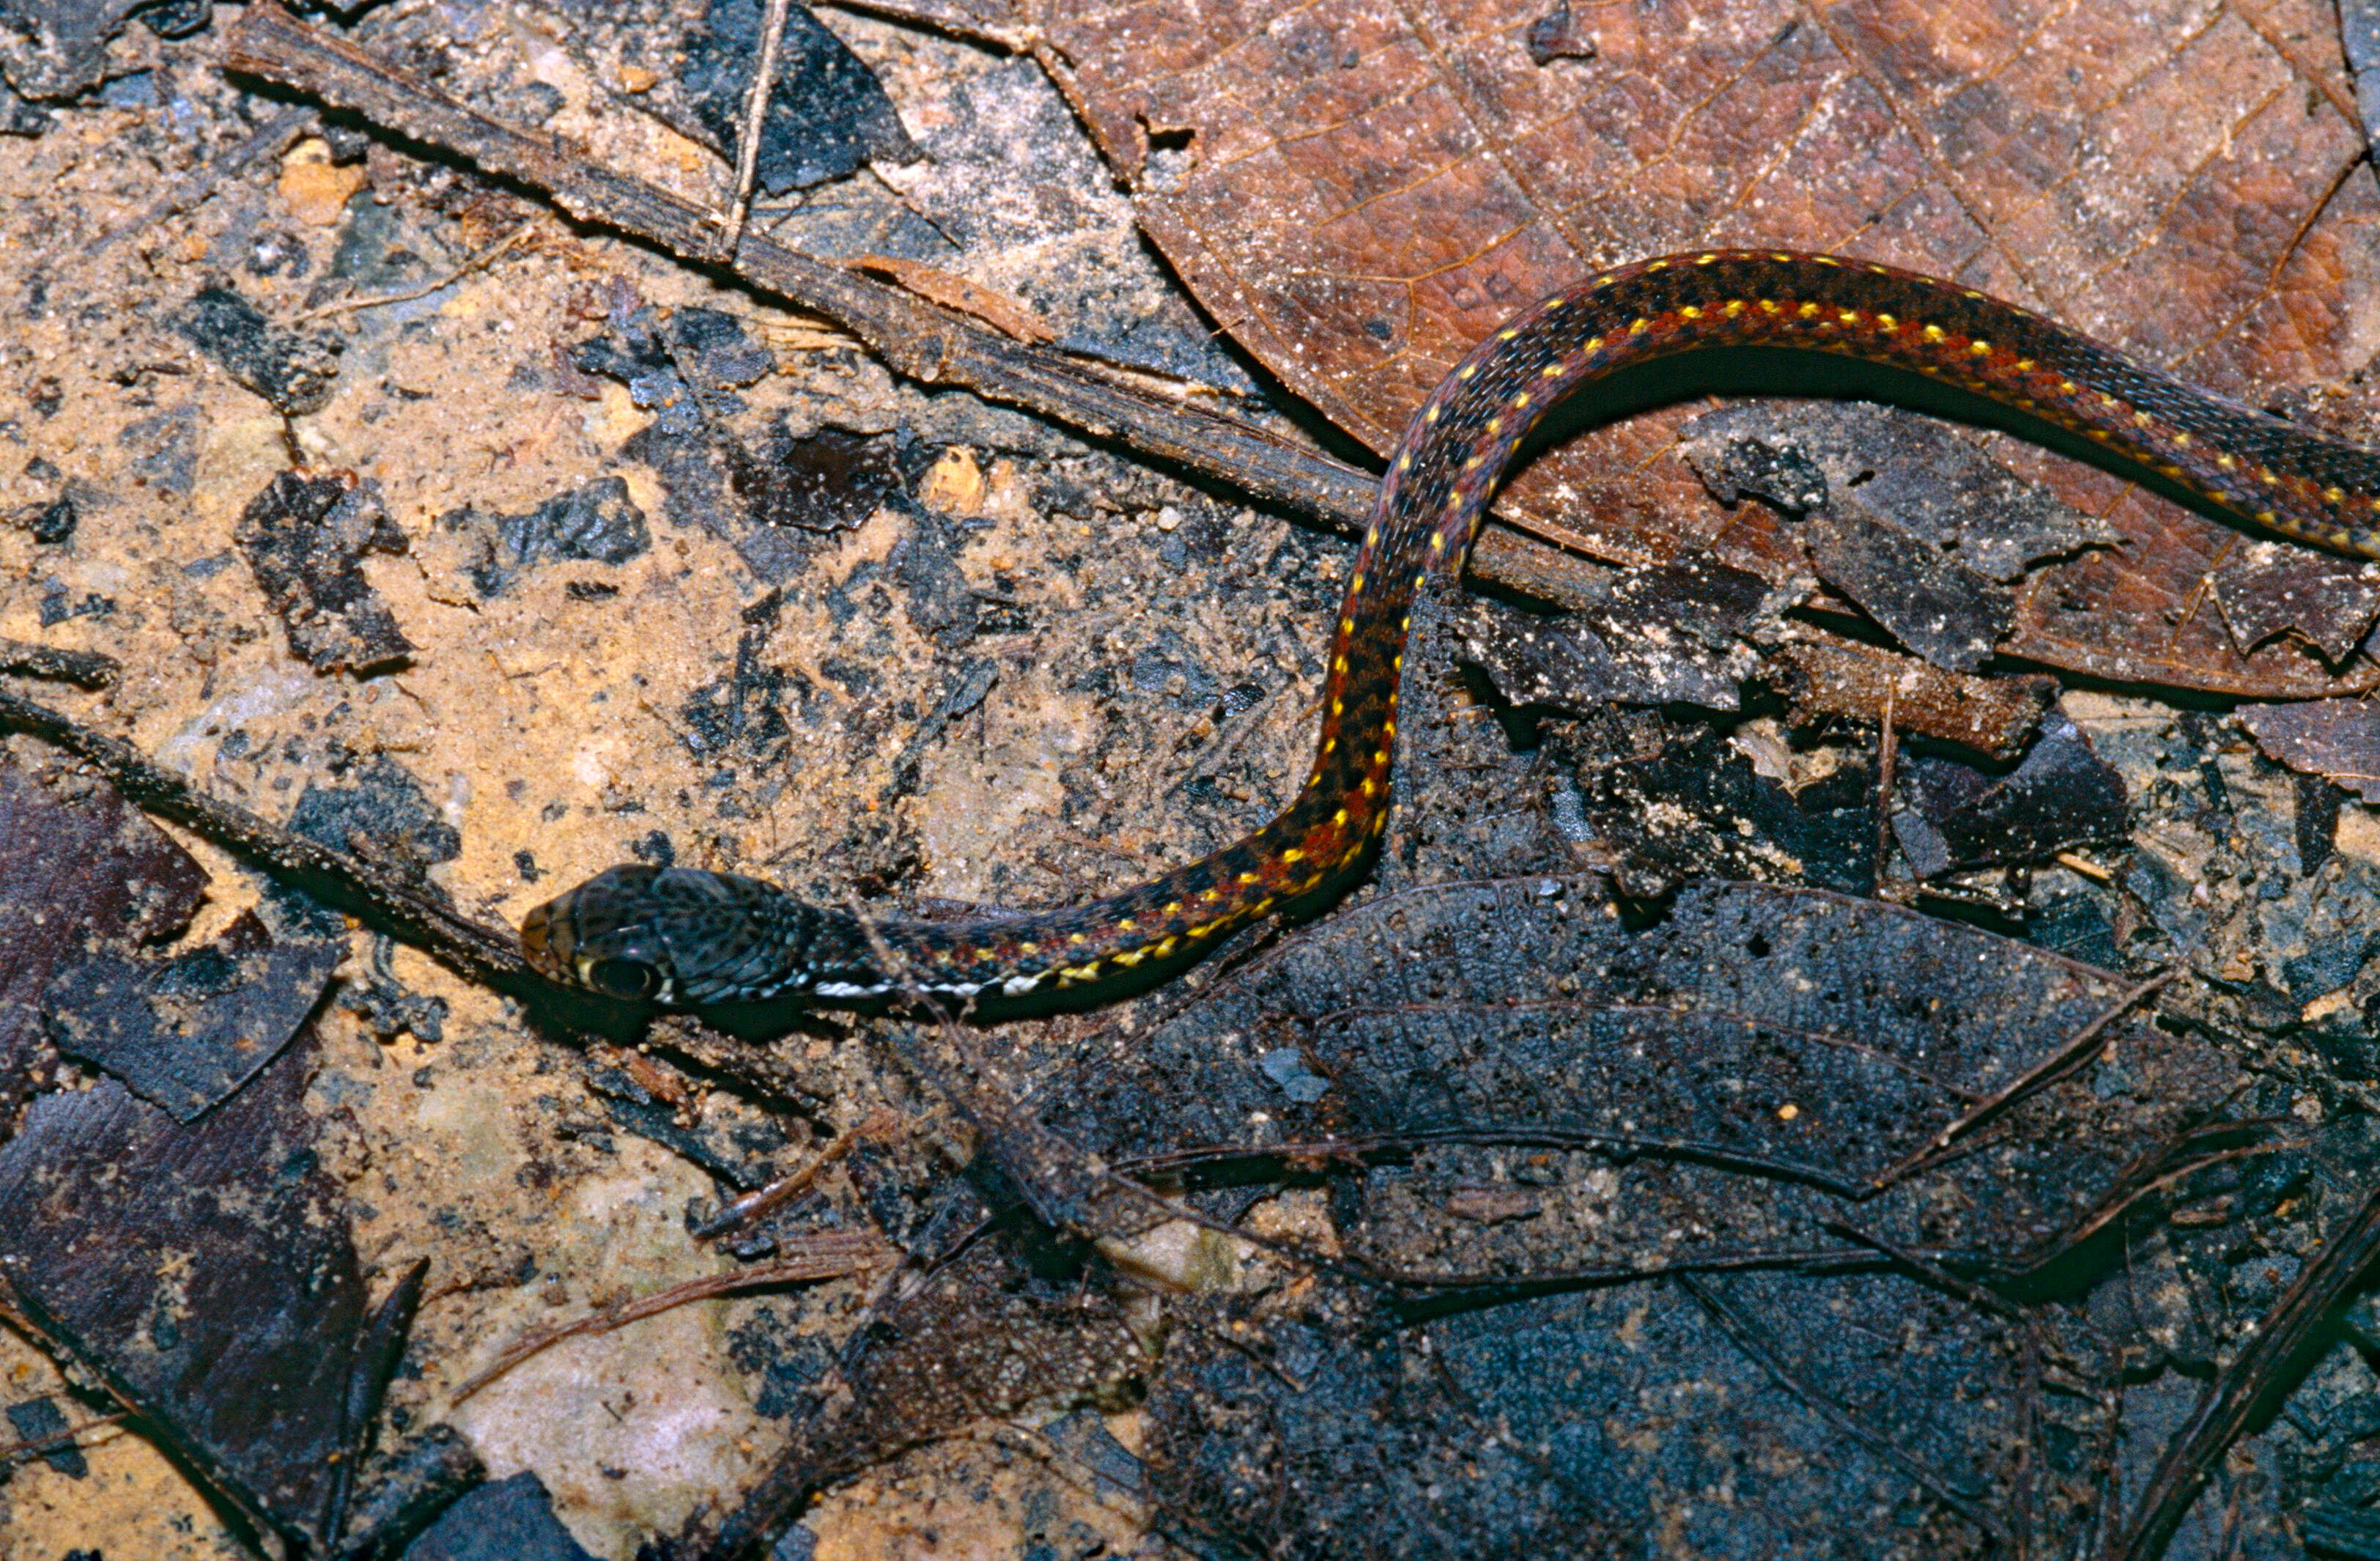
(1749, 1338)
(2068, 1056)
(1887, 745)
(471, 265)
(2265, 1364)
(85, 669)
(270, 138)
(473, 948)
(72, 1436)
(830, 1255)
(756, 111)
(785, 1189)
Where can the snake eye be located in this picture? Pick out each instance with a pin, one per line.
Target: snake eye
(630, 980)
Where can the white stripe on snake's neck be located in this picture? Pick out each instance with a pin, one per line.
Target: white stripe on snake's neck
(1014, 986)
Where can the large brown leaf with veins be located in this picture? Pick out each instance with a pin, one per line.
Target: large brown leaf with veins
(1359, 190)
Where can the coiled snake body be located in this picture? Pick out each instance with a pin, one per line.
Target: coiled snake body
(683, 936)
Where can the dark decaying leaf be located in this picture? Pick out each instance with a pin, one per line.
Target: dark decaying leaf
(203, 1271)
(597, 522)
(58, 48)
(187, 1032)
(1587, 1423)
(305, 537)
(294, 370)
(503, 1520)
(2266, 590)
(1665, 634)
(1317, 1434)
(2338, 739)
(1909, 472)
(2061, 796)
(77, 869)
(1909, 520)
(827, 112)
(1668, 802)
(1004, 1324)
(1804, 1041)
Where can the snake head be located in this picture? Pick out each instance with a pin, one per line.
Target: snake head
(681, 936)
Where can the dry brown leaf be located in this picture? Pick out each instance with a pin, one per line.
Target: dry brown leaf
(1360, 192)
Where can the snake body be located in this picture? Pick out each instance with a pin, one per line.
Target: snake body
(684, 936)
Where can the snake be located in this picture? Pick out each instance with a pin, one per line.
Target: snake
(687, 937)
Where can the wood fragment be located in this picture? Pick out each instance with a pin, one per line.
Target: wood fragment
(1002, 313)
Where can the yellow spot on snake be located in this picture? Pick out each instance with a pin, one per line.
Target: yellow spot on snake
(1521, 402)
(1690, 312)
(1127, 924)
(1432, 413)
(1507, 334)
(2265, 474)
(1705, 259)
(1769, 306)
(1933, 333)
(1886, 322)
(1980, 347)
(2226, 462)
(1808, 309)
(1292, 854)
(2023, 364)
(1849, 316)
(2266, 515)
(2336, 495)
(1636, 326)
